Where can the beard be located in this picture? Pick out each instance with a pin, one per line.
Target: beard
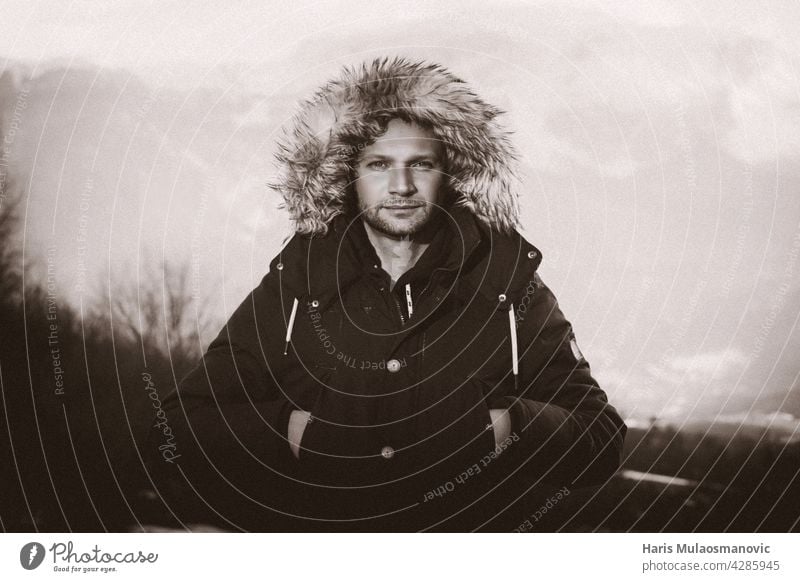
(382, 220)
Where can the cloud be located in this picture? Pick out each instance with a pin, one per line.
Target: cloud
(684, 385)
(764, 107)
(701, 369)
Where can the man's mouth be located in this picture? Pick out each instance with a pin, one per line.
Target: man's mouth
(402, 204)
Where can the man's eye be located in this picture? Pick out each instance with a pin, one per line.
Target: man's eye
(422, 165)
(377, 165)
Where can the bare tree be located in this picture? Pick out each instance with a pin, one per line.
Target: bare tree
(10, 257)
(159, 311)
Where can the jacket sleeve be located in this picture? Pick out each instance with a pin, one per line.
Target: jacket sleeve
(229, 416)
(567, 430)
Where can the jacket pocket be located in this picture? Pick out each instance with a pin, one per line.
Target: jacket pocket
(307, 440)
(455, 430)
(335, 447)
(496, 387)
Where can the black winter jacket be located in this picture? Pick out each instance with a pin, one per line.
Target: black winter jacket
(400, 436)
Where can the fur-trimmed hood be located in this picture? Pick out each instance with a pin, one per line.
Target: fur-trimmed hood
(315, 155)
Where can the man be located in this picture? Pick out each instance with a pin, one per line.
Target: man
(401, 367)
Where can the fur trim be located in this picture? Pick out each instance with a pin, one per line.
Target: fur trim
(316, 154)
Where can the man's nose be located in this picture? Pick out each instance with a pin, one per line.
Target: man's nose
(401, 181)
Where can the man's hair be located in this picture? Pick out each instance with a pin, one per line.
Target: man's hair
(317, 155)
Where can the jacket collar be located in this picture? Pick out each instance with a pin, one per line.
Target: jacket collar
(498, 266)
(336, 260)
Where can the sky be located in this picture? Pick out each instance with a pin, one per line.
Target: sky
(659, 146)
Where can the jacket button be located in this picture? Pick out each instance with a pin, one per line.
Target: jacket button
(387, 452)
(502, 297)
(531, 254)
(393, 366)
(315, 303)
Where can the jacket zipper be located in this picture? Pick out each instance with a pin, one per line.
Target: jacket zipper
(419, 297)
(399, 309)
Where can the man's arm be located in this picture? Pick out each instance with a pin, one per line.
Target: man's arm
(229, 416)
(567, 429)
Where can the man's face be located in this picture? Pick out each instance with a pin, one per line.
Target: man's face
(400, 180)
